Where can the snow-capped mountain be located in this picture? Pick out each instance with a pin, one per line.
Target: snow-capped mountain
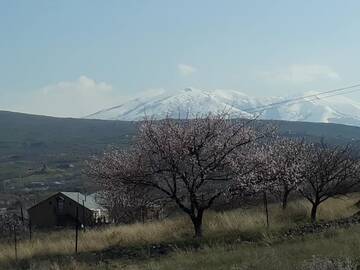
(191, 102)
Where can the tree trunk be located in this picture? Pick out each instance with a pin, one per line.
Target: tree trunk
(197, 222)
(285, 199)
(313, 212)
(22, 214)
(266, 209)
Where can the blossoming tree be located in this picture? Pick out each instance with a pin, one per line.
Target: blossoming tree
(190, 162)
(332, 171)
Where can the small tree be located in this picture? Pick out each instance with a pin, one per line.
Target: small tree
(11, 226)
(288, 157)
(331, 172)
(262, 176)
(8, 223)
(279, 165)
(190, 162)
(126, 203)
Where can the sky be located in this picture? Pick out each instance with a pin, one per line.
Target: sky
(71, 58)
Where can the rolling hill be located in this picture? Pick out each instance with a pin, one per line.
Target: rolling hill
(40, 149)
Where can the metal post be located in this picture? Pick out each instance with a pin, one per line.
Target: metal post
(83, 214)
(77, 230)
(30, 229)
(15, 243)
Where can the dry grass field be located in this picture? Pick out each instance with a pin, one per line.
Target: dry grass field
(237, 239)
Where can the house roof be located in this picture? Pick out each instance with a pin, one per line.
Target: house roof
(87, 200)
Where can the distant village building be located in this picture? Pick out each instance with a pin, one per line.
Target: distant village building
(65, 208)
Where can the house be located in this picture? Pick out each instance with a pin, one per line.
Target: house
(64, 209)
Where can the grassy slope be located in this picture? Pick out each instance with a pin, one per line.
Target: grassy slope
(293, 254)
(236, 238)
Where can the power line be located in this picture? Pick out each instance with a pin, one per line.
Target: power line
(307, 100)
(304, 98)
(316, 96)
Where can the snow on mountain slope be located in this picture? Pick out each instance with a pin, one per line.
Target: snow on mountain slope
(190, 102)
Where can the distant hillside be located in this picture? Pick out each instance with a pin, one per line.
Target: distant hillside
(37, 149)
(31, 132)
(47, 153)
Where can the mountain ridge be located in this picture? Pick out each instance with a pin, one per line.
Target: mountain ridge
(191, 102)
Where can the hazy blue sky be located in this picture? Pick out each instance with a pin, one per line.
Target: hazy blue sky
(73, 57)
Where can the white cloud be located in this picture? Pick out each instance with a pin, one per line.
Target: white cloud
(70, 98)
(301, 74)
(186, 70)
